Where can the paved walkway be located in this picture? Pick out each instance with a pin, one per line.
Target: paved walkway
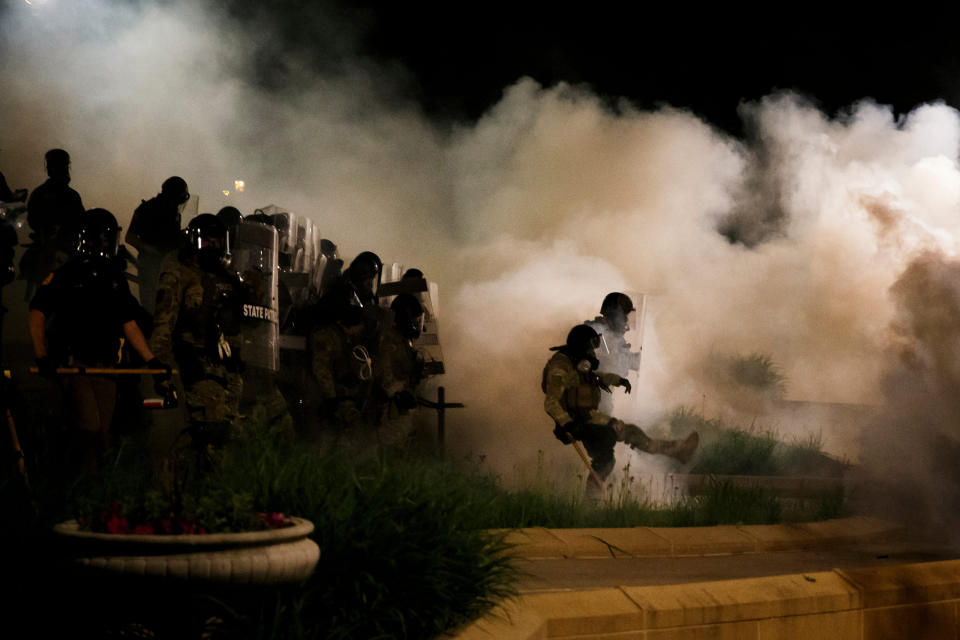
(849, 579)
(556, 574)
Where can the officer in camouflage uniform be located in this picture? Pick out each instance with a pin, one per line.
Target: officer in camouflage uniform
(343, 370)
(399, 369)
(573, 388)
(197, 323)
(614, 353)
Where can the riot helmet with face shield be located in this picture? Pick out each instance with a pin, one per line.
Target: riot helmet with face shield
(174, 190)
(581, 346)
(97, 235)
(616, 309)
(407, 316)
(207, 240)
(364, 274)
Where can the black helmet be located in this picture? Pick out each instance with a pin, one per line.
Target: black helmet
(616, 302)
(407, 315)
(207, 239)
(175, 189)
(97, 235)
(231, 216)
(364, 272)
(615, 309)
(329, 249)
(57, 163)
(259, 216)
(582, 341)
(411, 273)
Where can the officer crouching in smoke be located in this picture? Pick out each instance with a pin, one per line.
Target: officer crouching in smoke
(89, 308)
(197, 324)
(573, 387)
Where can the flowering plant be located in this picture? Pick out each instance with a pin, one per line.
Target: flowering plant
(126, 517)
(128, 498)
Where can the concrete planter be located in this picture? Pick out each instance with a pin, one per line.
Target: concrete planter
(272, 556)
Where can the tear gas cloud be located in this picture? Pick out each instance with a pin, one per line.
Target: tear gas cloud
(785, 243)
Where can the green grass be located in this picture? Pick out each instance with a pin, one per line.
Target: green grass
(408, 544)
(758, 371)
(732, 450)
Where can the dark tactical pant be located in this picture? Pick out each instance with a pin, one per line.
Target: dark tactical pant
(599, 441)
(92, 400)
(213, 404)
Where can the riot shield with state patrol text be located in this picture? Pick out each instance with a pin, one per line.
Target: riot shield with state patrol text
(254, 259)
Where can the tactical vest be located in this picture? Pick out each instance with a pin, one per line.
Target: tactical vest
(578, 399)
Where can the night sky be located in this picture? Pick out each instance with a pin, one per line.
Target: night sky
(455, 60)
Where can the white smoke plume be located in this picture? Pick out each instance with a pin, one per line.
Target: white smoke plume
(786, 243)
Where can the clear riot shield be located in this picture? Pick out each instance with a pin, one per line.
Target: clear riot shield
(636, 321)
(255, 261)
(428, 344)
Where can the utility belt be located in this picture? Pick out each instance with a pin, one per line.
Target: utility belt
(196, 364)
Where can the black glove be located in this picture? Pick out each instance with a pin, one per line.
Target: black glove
(404, 400)
(625, 384)
(161, 381)
(563, 433)
(47, 366)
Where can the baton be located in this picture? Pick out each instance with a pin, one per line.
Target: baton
(586, 461)
(80, 371)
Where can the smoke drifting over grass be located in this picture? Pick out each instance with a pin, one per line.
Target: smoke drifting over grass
(786, 243)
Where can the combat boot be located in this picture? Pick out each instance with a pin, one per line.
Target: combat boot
(681, 450)
(634, 437)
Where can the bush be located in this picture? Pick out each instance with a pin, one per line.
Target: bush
(408, 547)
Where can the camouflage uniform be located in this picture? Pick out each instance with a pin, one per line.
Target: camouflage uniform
(574, 397)
(342, 373)
(197, 324)
(399, 369)
(572, 400)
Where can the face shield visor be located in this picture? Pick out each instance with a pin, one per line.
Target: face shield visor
(410, 327)
(210, 248)
(97, 243)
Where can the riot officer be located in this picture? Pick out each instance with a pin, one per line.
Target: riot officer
(89, 308)
(615, 355)
(612, 323)
(573, 387)
(154, 232)
(358, 285)
(53, 211)
(343, 371)
(399, 370)
(197, 323)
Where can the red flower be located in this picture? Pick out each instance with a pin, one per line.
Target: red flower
(144, 528)
(116, 524)
(275, 520)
